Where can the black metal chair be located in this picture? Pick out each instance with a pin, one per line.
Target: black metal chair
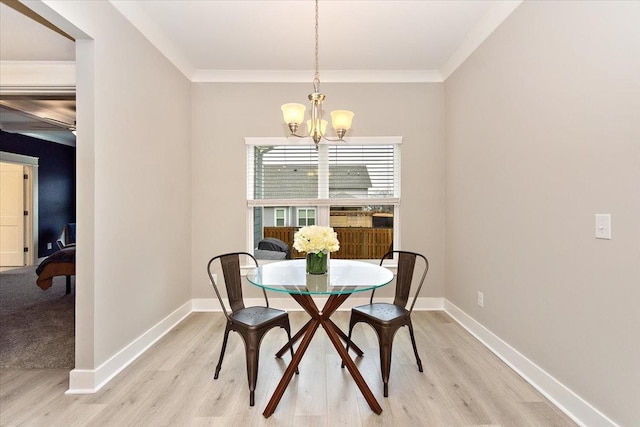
(252, 323)
(387, 318)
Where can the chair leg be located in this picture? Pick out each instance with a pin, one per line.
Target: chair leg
(224, 347)
(415, 349)
(386, 344)
(252, 343)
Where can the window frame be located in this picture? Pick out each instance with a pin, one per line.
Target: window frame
(323, 205)
(275, 216)
(306, 209)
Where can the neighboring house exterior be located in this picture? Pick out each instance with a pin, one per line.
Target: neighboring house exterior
(300, 182)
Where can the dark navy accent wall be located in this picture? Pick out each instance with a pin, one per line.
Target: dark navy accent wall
(56, 184)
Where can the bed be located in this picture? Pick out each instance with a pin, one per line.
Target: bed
(60, 263)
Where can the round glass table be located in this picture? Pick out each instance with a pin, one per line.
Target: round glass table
(344, 278)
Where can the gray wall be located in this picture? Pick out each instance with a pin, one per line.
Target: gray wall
(543, 132)
(133, 183)
(413, 111)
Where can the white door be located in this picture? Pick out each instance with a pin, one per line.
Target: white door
(11, 215)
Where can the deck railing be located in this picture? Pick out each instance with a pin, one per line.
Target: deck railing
(355, 242)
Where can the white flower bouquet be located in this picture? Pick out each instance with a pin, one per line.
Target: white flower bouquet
(315, 239)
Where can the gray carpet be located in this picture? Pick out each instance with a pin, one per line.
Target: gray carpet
(36, 326)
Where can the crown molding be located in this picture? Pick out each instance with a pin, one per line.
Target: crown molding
(327, 76)
(42, 77)
(150, 31)
(478, 34)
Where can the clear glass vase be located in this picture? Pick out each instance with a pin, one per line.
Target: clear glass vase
(317, 263)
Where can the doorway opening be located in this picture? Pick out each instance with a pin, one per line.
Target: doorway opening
(18, 210)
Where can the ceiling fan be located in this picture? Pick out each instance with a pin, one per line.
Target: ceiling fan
(50, 120)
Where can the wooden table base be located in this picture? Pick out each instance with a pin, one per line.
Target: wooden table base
(320, 318)
(301, 332)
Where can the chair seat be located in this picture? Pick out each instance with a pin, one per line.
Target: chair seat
(382, 311)
(257, 316)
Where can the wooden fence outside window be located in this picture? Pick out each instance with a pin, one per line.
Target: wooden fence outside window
(355, 242)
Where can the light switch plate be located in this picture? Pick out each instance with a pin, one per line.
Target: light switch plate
(603, 226)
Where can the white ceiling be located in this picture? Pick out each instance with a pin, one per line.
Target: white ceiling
(261, 40)
(269, 40)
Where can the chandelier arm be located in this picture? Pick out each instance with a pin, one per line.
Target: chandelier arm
(339, 139)
(298, 136)
(315, 125)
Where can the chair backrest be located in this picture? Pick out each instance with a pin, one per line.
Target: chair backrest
(407, 264)
(230, 264)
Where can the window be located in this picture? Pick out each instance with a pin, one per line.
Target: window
(353, 187)
(306, 216)
(279, 219)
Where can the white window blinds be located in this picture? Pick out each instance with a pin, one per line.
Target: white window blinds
(347, 172)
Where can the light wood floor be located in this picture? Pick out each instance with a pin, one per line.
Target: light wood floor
(172, 384)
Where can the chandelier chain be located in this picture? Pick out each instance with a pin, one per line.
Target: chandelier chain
(316, 79)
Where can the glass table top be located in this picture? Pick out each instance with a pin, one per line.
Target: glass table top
(344, 277)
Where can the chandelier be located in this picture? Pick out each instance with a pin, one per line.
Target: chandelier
(294, 113)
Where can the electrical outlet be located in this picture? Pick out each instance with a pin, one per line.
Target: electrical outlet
(49, 246)
(480, 299)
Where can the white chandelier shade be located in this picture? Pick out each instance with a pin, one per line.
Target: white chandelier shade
(293, 113)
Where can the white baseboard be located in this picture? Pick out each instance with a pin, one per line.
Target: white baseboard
(566, 400)
(83, 381)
